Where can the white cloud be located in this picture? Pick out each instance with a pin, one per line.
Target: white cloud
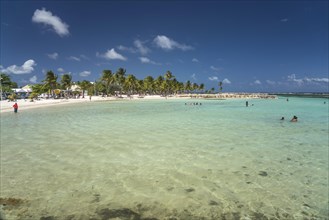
(147, 60)
(300, 81)
(84, 57)
(326, 80)
(47, 18)
(169, 44)
(270, 82)
(74, 58)
(141, 48)
(85, 73)
(284, 20)
(293, 78)
(129, 49)
(53, 56)
(217, 69)
(226, 81)
(193, 76)
(213, 78)
(33, 79)
(61, 70)
(195, 60)
(27, 67)
(111, 55)
(257, 82)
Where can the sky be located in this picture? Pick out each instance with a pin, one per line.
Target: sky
(251, 46)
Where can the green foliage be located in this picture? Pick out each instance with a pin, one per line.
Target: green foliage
(66, 81)
(84, 85)
(50, 82)
(39, 89)
(188, 86)
(33, 95)
(12, 97)
(6, 83)
(51, 79)
(201, 87)
(110, 83)
(130, 84)
(220, 84)
(107, 78)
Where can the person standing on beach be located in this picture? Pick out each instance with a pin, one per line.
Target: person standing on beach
(15, 106)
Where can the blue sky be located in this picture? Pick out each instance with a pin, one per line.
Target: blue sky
(252, 46)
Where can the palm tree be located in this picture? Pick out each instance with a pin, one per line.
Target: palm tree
(220, 84)
(168, 77)
(140, 86)
(6, 83)
(50, 82)
(195, 87)
(37, 89)
(149, 84)
(201, 87)
(84, 85)
(100, 87)
(174, 86)
(130, 84)
(119, 78)
(66, 82)
(188, 86)
(180, 86)
(108, 79)
(159, 84)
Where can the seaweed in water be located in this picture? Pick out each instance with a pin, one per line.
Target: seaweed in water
(118, 213)
(11, 201)
(48, 218)
(262, 173)
(189, 190)
(233, 216)
(259, 216)
(212, 202)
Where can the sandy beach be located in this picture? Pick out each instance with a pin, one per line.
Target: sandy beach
(7, 106)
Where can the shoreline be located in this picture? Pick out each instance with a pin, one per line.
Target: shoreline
(7, 106)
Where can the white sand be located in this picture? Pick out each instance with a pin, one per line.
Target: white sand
(7, 106)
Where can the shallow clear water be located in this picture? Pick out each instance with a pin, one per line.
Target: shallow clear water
(165, 159)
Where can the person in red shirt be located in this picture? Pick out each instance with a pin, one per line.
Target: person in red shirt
(15, 107)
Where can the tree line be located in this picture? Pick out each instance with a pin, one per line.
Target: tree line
(115, 83)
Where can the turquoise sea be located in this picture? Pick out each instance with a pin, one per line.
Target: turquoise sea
(164, 159)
